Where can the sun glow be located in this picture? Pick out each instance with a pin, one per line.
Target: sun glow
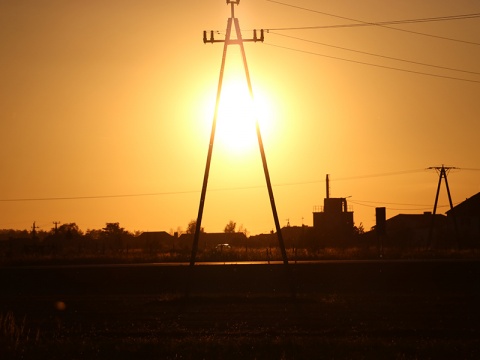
(237, 117)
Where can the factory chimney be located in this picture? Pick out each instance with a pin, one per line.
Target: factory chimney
(328, 187)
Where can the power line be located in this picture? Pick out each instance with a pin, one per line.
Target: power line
(377, 55)
(90, 197)
(365, 23)
(380, 175)
(97, 196)
(213, 190)
(387, 203)
(374, 65)
(361, 203)
(380, 23)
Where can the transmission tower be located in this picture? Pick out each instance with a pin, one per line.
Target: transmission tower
(239, 40)
(442, 174)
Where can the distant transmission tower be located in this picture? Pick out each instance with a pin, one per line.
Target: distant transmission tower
(442, 174)
(232, 21)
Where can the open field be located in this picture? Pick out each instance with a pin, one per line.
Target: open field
(349, 309)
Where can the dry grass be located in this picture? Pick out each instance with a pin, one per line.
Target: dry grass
(15, 337)
(237, 254)
(372, 310)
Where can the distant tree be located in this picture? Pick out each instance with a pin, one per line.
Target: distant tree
(68, 231)
(192, 225)
(359, 230)
(94, 239)
(113, 229)
(116, 237)
(93, 234)
(243, 230)
(179, 231)
(230, 227)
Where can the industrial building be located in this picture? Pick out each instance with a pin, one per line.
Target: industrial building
(333, 222)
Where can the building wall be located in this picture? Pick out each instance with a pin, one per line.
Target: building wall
(333, 226)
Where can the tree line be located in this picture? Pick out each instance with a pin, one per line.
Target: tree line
(69, 238)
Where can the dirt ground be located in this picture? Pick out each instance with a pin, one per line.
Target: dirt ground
(327, 310)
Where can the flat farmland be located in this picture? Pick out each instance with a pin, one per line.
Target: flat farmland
(331, 310)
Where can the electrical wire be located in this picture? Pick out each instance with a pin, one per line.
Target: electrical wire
(399, 209)
(387, 203)
(197, 191)
(374, 65)
(377, 55)
(89, 197)
(379, 175)
(404, 172)
(380, 24)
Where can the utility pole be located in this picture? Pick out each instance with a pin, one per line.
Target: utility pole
(442, 174)
(239, 40)
(34, 230)
(56, 223)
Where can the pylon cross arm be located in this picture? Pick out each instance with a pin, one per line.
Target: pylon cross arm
(255, 38)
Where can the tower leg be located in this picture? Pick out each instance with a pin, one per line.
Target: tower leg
(281, 243)
(432, 222)
(198, 225)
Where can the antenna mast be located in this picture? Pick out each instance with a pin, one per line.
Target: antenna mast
(233, 22)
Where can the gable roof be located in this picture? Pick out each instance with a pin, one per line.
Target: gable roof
(151, 235)
(413, 221)
(469, 207)
(213, 239)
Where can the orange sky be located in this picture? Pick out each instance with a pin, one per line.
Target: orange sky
(112, 98)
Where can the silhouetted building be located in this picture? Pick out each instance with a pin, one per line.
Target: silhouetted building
(467, 217)
(333, 223)
(293, 237)
(153, 241)
(263, 240)
(412, 230)
(211, 240)
(296, 236)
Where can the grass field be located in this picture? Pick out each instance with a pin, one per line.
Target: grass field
(235, 254)
(330, 310)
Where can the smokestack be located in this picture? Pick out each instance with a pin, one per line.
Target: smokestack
(328, 187)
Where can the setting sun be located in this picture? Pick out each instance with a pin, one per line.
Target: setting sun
(236, 119)
(237, 116)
